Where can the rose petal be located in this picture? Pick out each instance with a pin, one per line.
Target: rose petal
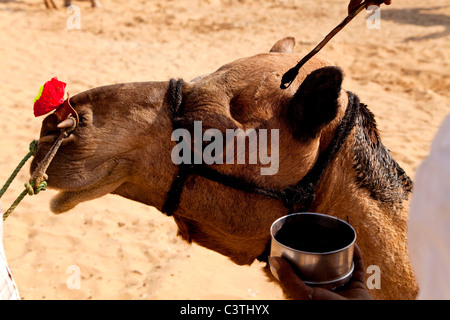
(51, 95)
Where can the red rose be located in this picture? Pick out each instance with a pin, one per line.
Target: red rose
(50, 97)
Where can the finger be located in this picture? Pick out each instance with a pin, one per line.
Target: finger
(291, 284)
(359, 273)
(379, 2)
(353, 4)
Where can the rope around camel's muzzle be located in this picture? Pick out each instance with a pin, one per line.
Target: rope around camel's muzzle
(38, 180)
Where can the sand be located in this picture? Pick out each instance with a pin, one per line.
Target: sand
(126, 250)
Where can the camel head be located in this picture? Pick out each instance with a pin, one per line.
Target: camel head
(125, 129)
(128, 143)
(115, 124)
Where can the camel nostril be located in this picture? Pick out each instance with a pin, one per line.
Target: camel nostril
(48, 137)
(50, 123)
(49, 130)
(52, 133)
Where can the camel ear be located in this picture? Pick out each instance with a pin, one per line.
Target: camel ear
(315, 104)
(285, 45)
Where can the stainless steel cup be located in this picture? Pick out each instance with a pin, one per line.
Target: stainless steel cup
(318, 246)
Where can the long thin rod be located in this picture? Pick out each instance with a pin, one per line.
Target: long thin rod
(290, 75)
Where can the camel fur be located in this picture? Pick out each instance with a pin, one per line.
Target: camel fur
(123, 146)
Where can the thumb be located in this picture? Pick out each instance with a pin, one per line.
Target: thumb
(293, 287)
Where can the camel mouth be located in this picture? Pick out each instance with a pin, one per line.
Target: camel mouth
(65, 200)
(44, 146)
(75, 188)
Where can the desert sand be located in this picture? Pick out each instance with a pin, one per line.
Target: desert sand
(126, 250)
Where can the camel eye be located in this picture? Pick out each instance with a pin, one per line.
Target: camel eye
(82, 120)
(85, 118)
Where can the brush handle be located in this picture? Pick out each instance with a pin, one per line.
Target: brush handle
(290, 75)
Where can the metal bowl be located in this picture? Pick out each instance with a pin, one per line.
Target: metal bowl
(318, 246)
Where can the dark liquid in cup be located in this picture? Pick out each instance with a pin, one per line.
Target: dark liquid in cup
(312, 234)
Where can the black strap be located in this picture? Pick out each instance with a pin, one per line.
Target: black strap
(304, 192)
(297, 197)
(174, 194)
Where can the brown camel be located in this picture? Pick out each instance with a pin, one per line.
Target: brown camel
(123, 146)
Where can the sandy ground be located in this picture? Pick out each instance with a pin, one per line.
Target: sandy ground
(126, 250)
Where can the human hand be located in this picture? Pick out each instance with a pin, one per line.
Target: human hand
(295, 288)
(354, 3)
